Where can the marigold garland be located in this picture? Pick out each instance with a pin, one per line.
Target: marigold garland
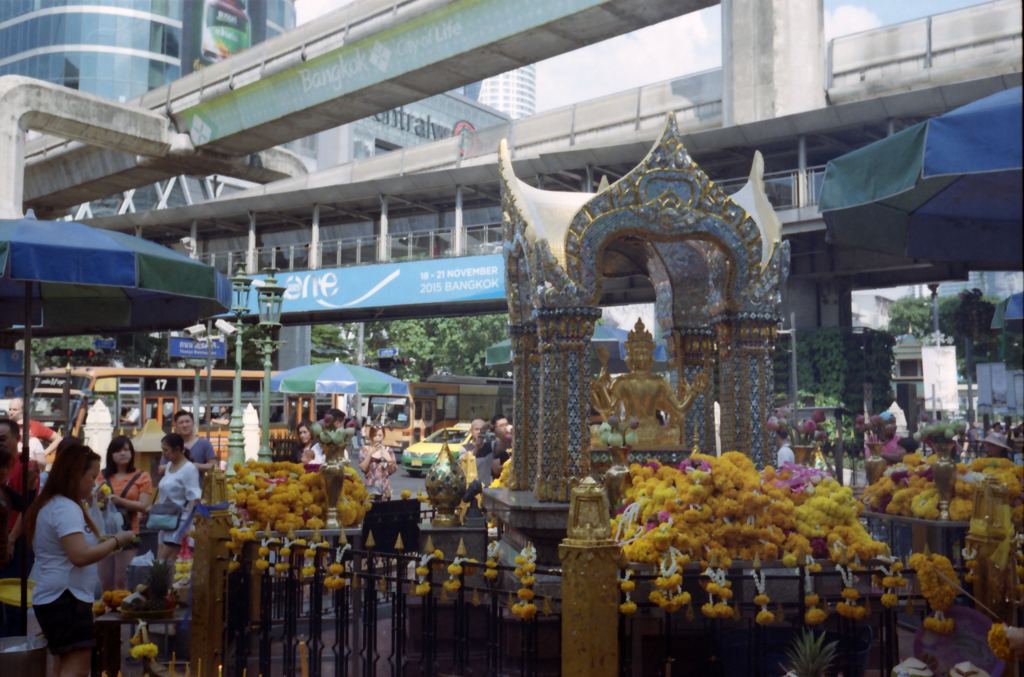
(525, 567)
(999, 644)
(717, 585)
(848, 607)
(940, 593)
(491, 565)
(764, 617)
(423, 570)
(669, 594)
(627, 586)
(144, 651)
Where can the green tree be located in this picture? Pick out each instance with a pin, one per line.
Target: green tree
(915, 315)
(456, 345)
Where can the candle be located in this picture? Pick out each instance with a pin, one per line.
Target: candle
(172, 663)
(302, 657)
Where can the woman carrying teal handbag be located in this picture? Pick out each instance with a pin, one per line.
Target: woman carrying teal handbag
(179, 490)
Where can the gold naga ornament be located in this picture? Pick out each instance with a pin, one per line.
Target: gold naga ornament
(642, 393)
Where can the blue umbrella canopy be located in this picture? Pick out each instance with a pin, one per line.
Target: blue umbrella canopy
(81, 279)
(61, 277)
(336, 377)
(947, 188)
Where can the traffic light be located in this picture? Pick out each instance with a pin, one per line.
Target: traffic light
(67, 353)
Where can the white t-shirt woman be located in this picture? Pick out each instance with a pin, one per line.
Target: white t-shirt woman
(54, 572)
(181, 486)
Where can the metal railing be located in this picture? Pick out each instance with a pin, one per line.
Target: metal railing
(934, 41)
(785, 190)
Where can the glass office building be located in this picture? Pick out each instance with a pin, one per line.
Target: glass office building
(118, 49)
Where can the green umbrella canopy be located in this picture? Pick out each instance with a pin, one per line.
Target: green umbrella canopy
(499, 356)
(336, 377)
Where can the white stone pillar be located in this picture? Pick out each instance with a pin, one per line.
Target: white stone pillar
(99, 428)
(251, 432)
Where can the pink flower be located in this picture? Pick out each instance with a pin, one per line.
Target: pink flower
(664, 516)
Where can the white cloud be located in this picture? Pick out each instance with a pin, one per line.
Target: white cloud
(687, 44)
(307, 10)
(847, 19)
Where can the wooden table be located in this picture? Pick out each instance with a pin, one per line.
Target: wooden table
(107, 657)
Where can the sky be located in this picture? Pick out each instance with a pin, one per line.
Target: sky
(681, 46)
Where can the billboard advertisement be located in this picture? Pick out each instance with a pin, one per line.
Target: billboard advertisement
(213, 30)
(434, 281)
(940, 390)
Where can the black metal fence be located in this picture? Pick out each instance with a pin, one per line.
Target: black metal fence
(375, 624)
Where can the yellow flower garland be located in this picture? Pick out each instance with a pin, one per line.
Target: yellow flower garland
(525, 567)
(144, 651)
(939, 593)
(999, 644)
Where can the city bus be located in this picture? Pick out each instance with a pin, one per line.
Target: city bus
(442, 401)
(135, 396)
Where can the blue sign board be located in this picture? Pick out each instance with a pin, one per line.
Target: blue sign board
(387, 352)
(186, 347)
(104, 344)
(11, 367)
(469, 278)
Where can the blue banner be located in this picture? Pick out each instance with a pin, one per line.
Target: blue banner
(469, 278)
(186, 347)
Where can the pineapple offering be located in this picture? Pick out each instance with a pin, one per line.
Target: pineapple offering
(810, 656)
(152, 599)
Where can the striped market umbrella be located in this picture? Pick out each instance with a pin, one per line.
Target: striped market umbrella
(61, 278)
(336, 377)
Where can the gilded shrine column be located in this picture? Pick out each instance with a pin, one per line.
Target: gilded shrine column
(526, 409)
(695, 354)
(746, 345)
(563, 454)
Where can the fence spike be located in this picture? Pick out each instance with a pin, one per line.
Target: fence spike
(342, 540)
(779, 615)
(547, 606)
(461, 551)
(399, 546)
(689, 612)
(429, 547)
(370, 543)
(444, 594)
(476, 597)
(510, 600)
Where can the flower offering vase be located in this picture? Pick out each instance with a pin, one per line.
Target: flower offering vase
(944, 474)
(804, 455)
(446, 485)
(333, 472)
(616, 478)
(875, 466)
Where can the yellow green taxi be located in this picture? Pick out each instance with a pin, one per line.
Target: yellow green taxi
(418, 458)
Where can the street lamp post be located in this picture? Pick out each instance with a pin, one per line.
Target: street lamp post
(269, 304)
(241, 285)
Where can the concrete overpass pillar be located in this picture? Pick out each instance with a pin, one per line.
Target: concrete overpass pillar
(314, 240)
(382, 231)
(773, 58)
(459, 238)
(250, 255)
